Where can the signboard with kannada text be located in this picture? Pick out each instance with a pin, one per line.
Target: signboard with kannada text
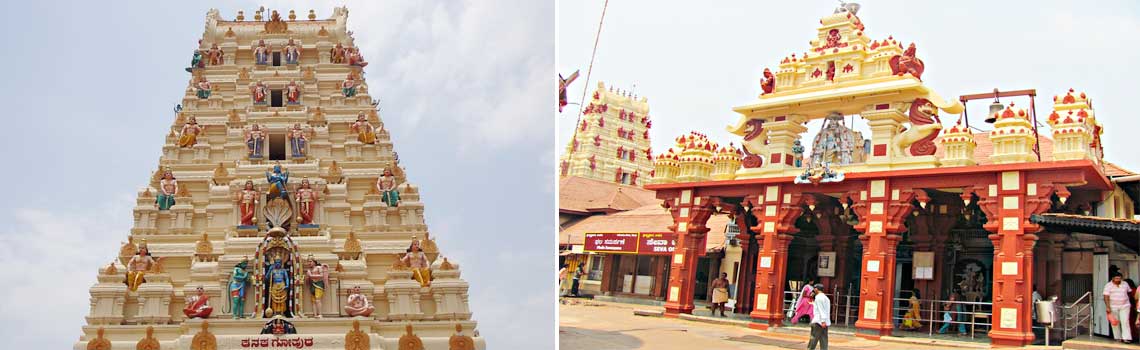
(611, 242)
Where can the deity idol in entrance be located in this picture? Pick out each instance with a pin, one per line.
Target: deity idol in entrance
(293, 92)
(306, 202)
(386, 185)
(318, 277)
(348, 87)
(365, 133)
(188, 136)
(238, 281)
(358, 304)
(297, 140)
(254, 141)
(292, 52)
(168, 186)
(261, 53)
(215, 54)
(247, 200)
(202, 88)
(138, 266)
(259, 91)
(280, 283)
(418, 262)
(277, 181)
(198, 305)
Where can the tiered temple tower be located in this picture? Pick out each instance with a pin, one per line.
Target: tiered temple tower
(278, 172)
(612, 140)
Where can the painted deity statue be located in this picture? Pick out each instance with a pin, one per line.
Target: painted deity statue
(358, 304)
(307, 199)
(768, 83)
(355, 58)
(261, 53)
(215, 55)
(202, 89)
(365, 133)
(255, 141)
(198, 305)
(348, 87)
(292, 52)
(196, 61)
(293, 92)
(280, 282)
(297, 140)
(386, 185)
(418, 262)
(168, 187)
(317, 277)
(238, 281)
(277, 183)
(188, 136)
(907, 62)
(247, 200)
(336, 54)
(798, 153)
(258, 92)
(138, 266)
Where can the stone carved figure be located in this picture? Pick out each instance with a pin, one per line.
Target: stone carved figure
(247, 200)
(280, 284)
(215, 54)
(924, 128)
(348, 87)
(202, 89)
(198, 305)
(768, 83)
(261, 53)
(755, 143)
(336, 54)
(317, 276)
(255, 141)
(386, 184)
(798, 153)
(188, 136)
(277, 182)
(293, 92)
(355, 58)
(138, 266)
(292, 52)
(356, 339)
(278, 326)
(365, 133)
(196, 61)
(834, 144)
(297, 140)
(417, 261)
(307, 199)
(259, 92)
(358, 304)
(907, 63)
(168, 187)
(238, 282)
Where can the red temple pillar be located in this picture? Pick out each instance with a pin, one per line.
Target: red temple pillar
(776, 210)
(690, 214)
(746, 276)
(1008, 203)
(881, 210)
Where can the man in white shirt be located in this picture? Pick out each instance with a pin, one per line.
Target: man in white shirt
(1117, 307)
(820, 318)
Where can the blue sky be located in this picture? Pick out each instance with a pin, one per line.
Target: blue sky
(88, 92)
(695, 61)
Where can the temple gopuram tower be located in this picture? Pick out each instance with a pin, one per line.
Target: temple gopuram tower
(279, 214)
(611, 142)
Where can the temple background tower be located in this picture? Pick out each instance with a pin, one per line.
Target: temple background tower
(612, 139)
(199, 239)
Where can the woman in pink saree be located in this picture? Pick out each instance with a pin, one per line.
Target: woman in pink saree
(803, 303)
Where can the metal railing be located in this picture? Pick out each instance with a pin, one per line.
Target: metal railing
(843, 307)
(1076, 314)
(966, 316)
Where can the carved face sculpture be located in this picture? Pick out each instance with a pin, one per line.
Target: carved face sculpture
(277, 168)
(249, 185)
(192, 120)
(360, 117)
(201, 291)
(305, 183)
(387, 172)
(143, 250)
(297, 126)
(167, 175)
(261, 43)
(356, 290)
(415, 246)
(256, 127)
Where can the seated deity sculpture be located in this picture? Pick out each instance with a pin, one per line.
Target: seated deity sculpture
(202, 88)
(355, 58)
(386, 184)
(198, 305)
(348, 87)
(168, 187)
(138, 266)
(365, 133)
(358, 304)
(418, 262)
(188, 136)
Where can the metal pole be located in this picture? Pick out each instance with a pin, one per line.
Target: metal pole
(1036, 136)
(589, 70)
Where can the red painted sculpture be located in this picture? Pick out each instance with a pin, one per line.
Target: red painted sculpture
(768, 83)
(907, 63)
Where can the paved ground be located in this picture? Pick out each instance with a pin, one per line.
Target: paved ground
(610, 326)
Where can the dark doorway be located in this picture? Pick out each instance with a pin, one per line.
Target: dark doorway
(276, 98)
(276, 59)
(276, 146)
(701, 291)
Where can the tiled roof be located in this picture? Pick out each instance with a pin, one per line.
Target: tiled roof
(582, 195)
(1113, 170)
(649, 218)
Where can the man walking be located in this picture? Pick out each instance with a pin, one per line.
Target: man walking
(1118, 308)
(820, 318)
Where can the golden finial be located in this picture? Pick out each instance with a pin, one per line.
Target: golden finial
(292, 15)
(257, 15)
(204, 246)
(312, 15)
(99, 343)
(241, 16)
(410, 341)
(111, 269)
(149, 342)
(352, 244)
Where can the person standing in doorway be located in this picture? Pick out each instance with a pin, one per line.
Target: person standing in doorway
(720, 293)
(1118, 310)
(820, 319)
